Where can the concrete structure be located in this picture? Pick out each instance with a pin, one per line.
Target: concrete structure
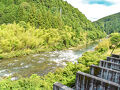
(106, 76)
(89, 82)
(110, 65)
(114, 60)
(116, 56)
(59, 86)
(105, 73)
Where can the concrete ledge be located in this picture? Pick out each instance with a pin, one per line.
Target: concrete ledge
(109, 62)
(59, 86)
(98, 79)
(113, 59)
(116, 56)
(105, 73)
(110, 65)
(115, 71)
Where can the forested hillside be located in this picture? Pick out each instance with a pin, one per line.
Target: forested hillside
(29, 26)
(110, 23)
(44, 14)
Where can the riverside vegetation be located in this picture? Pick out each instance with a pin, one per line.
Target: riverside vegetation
(15, 40)
(65, 75)
(33, 26)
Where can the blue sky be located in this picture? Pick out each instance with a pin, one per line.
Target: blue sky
(96, 9)
(102, 2)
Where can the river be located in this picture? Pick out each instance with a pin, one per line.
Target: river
(41, 63)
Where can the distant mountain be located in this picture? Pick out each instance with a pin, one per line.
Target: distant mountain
(110, 23)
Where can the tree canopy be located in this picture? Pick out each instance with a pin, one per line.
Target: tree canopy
(44, 14)
(109, 24)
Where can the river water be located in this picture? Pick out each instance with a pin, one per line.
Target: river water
(41, 63)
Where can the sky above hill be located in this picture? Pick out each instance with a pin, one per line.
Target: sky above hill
(96, 9)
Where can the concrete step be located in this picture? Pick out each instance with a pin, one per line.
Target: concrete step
(105, 73)
(108, 64)
(114, 60)
(116, 56)
(86, 81)
(59, 86)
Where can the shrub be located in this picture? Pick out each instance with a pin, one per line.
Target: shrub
(15, 37)
(115, 39)
(103, 46)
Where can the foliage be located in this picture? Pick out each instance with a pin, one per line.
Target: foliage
(44, 14)
(109, 43)
(103, 46)
(109, 24)
(115, 39)
(89, 58)
(21, 39)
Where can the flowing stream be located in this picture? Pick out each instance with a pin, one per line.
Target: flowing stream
(41, 63)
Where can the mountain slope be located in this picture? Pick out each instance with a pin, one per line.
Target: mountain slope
(110, 23)
(46, 14)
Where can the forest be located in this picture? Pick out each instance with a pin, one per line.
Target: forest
(109, 24)
(44, 14)
(33, 26)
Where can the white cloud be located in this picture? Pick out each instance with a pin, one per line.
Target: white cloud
(96, 11)
(114, 1)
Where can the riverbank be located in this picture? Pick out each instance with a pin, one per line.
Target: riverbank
(84, 45)
(65, 75)
(41, 63)
(17, 40)
(25, 52)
